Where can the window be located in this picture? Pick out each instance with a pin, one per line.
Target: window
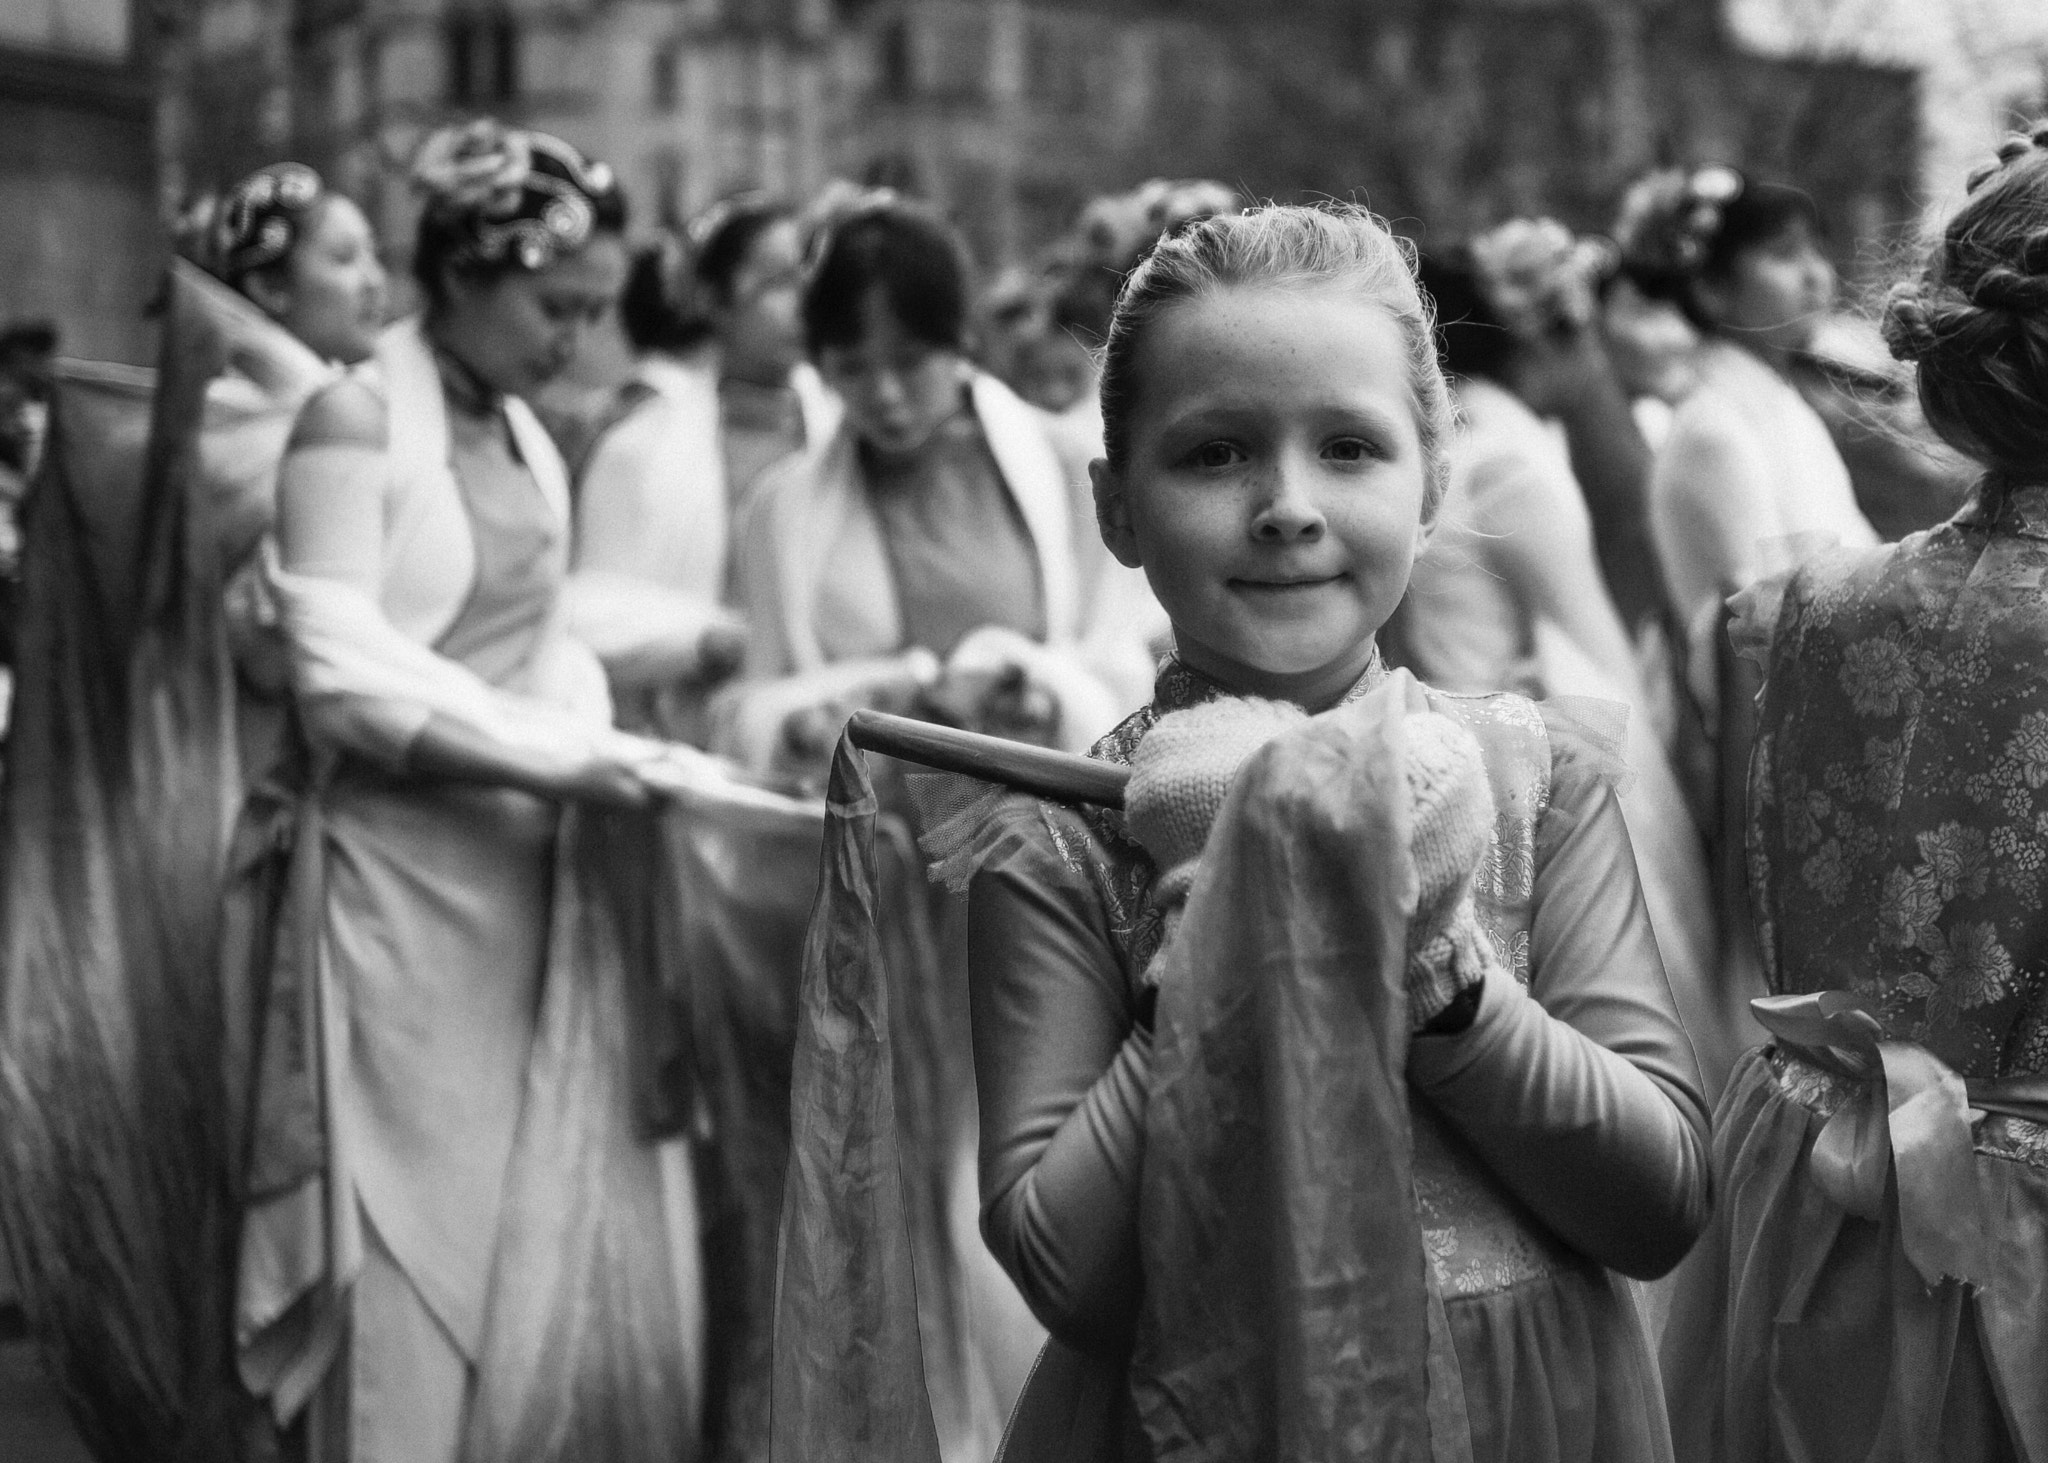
(666, 166)
(93, 28)
(1057, 57)
(483, 59)
(667, 88)
(898, 73)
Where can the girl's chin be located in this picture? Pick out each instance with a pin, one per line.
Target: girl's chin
(1281, 660)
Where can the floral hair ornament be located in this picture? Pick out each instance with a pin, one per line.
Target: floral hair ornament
(1670, 219)
(1539, 277)
(520, 196)
(256, 223)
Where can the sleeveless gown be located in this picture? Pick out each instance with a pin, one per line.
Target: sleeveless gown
(473, 1091)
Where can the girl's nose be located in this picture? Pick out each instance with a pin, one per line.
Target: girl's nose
(1290, 513)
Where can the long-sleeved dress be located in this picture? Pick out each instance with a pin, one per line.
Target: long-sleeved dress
(1560, 1135)
(1898, 834)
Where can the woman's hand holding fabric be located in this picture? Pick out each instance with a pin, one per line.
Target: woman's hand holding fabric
(1181, 774)
(1085, 707)
(611, 777)
(1452, 811)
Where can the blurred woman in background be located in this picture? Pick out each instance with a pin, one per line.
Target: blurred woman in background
(423, 1274)
(937, 528)
(306, 258)
(1748, 465)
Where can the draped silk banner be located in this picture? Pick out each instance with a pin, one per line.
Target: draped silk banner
(1287, 1304)
(116, 1118)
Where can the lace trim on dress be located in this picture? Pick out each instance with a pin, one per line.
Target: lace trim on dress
(1825, 1093)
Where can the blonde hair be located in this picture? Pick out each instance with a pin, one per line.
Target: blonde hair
(1283, 246)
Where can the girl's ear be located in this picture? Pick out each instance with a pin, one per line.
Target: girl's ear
(1432, 511)
(1113, 513)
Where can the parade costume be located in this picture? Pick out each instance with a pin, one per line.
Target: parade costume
(1870, 1287)
(1267, 1210)
(443, 1074)
(1748, 470)
(821, 571)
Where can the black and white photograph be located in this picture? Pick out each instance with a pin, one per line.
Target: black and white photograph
(1023, 731)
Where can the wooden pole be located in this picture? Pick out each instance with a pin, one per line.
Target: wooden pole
(1058, 775)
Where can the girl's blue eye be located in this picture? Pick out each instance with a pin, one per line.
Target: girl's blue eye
(1351, 449)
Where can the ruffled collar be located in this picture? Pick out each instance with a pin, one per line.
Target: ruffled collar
(1179, 686)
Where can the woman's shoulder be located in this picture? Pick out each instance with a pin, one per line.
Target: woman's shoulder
(348, 411)
(793, 482)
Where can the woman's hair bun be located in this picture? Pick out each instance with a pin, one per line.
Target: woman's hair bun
(1975, 320)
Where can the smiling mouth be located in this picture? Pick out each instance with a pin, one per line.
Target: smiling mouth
(1283, 586)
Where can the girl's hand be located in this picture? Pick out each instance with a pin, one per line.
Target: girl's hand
(1181, 773)
(1452, 808)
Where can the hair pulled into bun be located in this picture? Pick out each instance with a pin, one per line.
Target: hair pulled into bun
(1976, 319)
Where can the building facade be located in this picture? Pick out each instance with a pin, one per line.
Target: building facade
(1010, 113)
(80, 242)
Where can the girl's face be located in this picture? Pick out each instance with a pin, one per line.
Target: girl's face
(898, 389)
(1773, 293)
(331, 292)
(761, 326)
(521, 329)
(1273, 485)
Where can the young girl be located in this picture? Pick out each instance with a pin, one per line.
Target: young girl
(1275, 424)
(1871, 1288)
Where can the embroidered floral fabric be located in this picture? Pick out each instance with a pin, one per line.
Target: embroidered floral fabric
(1899, 788)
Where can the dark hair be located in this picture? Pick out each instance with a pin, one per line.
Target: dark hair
(724, 238)
(906, 252)
(1976, 318)
(1331, 243)
(501, 201)
(651, 312)
(1472, 338)
(1677, 229)
(256, 226)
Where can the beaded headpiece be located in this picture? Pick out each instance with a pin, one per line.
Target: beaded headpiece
(1670, 219)
(510, 195)
(256, 223)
